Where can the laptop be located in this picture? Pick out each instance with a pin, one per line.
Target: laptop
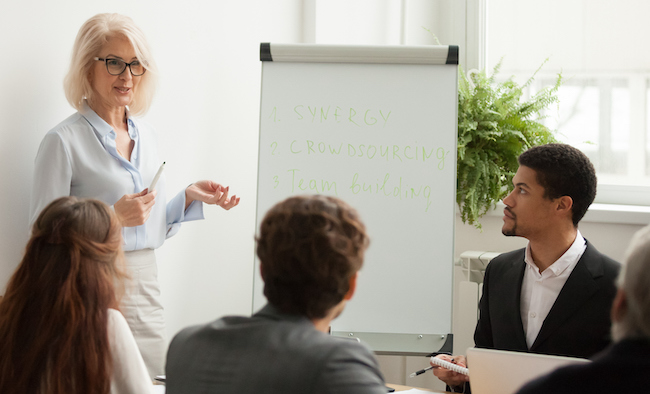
(502, 372)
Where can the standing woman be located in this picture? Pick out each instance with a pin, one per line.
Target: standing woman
(60, 332)
(103, 152)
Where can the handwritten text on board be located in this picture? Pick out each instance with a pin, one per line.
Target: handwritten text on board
(389, 184)
(337, 114)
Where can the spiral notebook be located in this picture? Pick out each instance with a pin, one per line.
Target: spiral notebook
(501, 372)
(449, 366)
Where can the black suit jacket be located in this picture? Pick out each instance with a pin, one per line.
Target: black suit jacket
(577, 325)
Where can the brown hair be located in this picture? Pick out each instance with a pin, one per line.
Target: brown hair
(309, 248)
(54, 316)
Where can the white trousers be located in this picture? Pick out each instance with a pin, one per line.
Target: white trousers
(143, 311)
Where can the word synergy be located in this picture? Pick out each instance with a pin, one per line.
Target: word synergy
(335, 114)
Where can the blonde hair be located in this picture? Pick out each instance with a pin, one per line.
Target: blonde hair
(91, 38)
(634, 281)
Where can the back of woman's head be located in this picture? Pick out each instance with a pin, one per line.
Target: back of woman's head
(53, 318)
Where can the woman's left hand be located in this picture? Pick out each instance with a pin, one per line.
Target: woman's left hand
(210, 192)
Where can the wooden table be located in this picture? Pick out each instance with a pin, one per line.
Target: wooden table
(399, 387)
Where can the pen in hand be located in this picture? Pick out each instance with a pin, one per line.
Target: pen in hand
(420, 372)
(156, 177)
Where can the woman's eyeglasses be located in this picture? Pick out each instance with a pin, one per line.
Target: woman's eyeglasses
(117, 66)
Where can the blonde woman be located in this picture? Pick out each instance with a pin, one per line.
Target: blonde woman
(103, 151)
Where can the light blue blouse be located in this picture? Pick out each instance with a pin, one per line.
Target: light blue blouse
(79, 158)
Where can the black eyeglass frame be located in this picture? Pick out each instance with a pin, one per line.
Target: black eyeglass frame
(105, 60)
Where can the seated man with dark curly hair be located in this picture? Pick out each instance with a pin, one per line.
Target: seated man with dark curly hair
(554, 295)
(310, 249)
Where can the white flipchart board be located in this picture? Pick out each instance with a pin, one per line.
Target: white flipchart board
(375, 126)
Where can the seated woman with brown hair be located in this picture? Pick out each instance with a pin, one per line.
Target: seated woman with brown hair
(60, 330)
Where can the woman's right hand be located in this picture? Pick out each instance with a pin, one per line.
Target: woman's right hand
(134, 209)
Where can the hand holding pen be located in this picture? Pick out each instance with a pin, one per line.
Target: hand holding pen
(451, 378)
(440, 363)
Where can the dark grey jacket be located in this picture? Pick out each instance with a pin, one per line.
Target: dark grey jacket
(268, 353)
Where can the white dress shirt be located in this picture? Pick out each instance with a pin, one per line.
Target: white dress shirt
(129, 372)
(540, 290)
(79, 158)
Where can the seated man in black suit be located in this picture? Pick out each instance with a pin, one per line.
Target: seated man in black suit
(310, 251)
(554, 296)
(624, 366)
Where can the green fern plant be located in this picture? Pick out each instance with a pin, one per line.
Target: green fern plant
(495, 125)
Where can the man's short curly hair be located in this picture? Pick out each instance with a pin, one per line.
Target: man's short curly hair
(563, 171)
(309, 248)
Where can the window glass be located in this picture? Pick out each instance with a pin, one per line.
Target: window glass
(604, 107)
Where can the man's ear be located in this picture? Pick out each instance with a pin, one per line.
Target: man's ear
(619, 306)
(564, 203)
(564, 207)
(352, 288)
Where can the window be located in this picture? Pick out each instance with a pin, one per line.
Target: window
(596, 45)
(604, 102)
